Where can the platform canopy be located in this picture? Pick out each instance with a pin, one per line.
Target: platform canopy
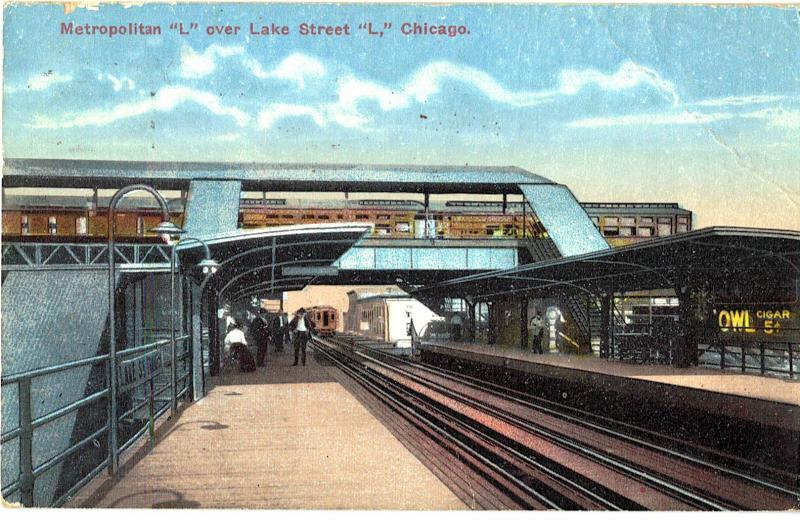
(269, 261)
(739, 260)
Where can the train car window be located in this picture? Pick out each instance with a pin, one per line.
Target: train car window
(611, 231)
(339, 216)
(627, 226)
(402, 227)
(611, 221)
(287, 216)
(52, 225)
(682, 225)
(362, 217)
(81, 226)
(308, 216)
(645, 231)
(382, 229)
(26, 225)
(323, 217)
(382, 217)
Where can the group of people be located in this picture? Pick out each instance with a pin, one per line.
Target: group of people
(263, 331)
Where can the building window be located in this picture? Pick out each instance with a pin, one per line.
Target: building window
(81, 226)
(664, 226)
(52, 225)
(682, 225)
(26, 225)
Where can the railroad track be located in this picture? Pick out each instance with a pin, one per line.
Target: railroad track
(501, 451)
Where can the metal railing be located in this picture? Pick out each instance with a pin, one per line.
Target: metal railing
(763, 357)
(45, 254)
(27, 424)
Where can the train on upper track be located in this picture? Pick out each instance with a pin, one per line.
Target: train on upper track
(73, 218)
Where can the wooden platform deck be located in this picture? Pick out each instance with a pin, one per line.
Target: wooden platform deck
(283, 437)
(733, 383)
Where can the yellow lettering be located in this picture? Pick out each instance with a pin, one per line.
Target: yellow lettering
(724, 321)
(738, 319)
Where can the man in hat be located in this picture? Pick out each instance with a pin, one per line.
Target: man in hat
(259, 332)
(301, 328)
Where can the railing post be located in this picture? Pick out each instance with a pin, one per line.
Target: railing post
(744, 358)
(26, 478)
(762, 354)
(722, 356)
(791, 361)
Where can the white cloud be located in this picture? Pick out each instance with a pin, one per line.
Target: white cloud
(296, 68)
(47, 80)
(628, 76)
(771, 116)
(117, 83)
(165, 100)
(276, 111)
(735, 101)
(228, 138)
(428, 80)
(650, 119)
(198, 65)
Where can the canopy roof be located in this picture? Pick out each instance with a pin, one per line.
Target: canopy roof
(734, 259)
(252, 261)
(269, 177)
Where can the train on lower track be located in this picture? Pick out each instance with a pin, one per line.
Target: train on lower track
(325, 318)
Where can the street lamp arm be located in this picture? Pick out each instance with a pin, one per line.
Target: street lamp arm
(139, 187)
(203, 243)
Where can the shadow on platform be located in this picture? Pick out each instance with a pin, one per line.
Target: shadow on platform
(279, 370)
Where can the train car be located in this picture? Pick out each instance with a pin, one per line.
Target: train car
(325, 318)
(387, 317)
(624, 223)
(70, 218)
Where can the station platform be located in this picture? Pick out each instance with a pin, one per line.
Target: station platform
(283, 437)
(766, 400)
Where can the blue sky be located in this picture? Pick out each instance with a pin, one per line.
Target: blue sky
(697, 105)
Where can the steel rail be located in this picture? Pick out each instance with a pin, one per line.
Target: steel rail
(604, 458)
(410, 410)
(508, 393)
(621, 466)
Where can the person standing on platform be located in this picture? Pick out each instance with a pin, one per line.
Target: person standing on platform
(259, 333)
(537, 333)
(301, 328)
(278, 329)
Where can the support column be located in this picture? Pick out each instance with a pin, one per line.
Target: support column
(688, 343)
(198, 390)
(471, 321)
(491, 337)
(523, 323)
(605, 325)
(214, 358)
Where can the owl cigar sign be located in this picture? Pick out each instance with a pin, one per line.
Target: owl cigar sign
(770, 321)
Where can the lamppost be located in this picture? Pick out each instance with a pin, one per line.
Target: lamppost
(166, 229)
(209, 267)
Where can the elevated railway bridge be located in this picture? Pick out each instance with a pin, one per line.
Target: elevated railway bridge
(106, 328)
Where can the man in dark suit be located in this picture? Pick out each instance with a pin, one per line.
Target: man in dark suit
(301, 328)
(259, 333)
